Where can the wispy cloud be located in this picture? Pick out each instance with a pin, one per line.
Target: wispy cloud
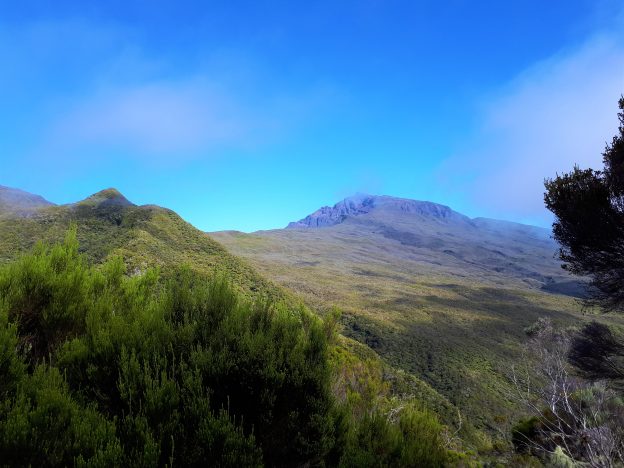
(558, 113)
(173, 120)
(159, 118)
(123, 98)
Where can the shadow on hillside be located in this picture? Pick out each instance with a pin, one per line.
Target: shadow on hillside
(465, 358)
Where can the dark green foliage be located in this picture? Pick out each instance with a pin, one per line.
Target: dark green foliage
(414, 441)
(101, 368)
(589, 210)
(524, 432)
(597, 352)
(42, 425)
(46, 295)
(12, 367)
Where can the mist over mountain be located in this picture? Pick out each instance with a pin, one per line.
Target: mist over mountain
(263, 324)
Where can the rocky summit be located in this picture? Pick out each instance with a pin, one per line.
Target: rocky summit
(362, 204)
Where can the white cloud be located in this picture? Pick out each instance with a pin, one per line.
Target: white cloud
(160, 117)
(99, 91)
(177, 120)
(558, 113)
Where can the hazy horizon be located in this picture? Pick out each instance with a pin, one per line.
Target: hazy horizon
(301, 216)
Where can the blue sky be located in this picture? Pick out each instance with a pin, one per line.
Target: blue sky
(248, 115)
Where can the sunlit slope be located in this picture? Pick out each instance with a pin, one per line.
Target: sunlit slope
(434, 293)
(145, 236)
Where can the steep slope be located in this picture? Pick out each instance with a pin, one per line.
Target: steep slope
(440, 295)
(108, 224)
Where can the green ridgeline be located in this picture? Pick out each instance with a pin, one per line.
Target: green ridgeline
(145, 236)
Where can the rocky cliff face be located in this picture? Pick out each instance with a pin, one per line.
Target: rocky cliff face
(363, 204)
(329, 216)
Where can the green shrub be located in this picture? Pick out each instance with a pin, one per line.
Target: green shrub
(42, 425)
(524, 433)
(101, 368)
(46, 294)
(414, 442)
(11, 366)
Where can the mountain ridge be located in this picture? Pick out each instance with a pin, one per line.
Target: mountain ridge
(427, 237)
(149, 236)
(441, 296)
(145, 236)
(19, 202)
(364, 204)
(417, 284)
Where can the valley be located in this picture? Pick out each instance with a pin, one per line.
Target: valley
(443, 297)
(435, 301)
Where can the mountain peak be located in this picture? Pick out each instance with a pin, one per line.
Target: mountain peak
(107, 197)
(362, 204)
(328, 216)
(18, 201)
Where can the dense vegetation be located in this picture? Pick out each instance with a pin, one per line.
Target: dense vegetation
(452, 327)
(99, 367)
(108, 225)
(111, 353)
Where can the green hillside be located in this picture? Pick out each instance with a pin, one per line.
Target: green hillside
(109, 225)
(141, 341)
(434, 305)
(443, 298)
(99, 368)
(144, 236)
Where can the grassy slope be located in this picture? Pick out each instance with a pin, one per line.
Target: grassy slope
(457, 328)
(145, 236)
(445, 335)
